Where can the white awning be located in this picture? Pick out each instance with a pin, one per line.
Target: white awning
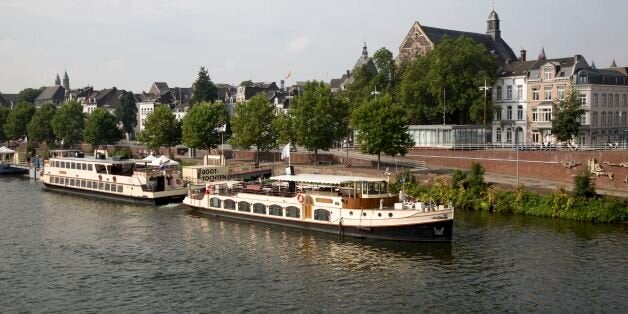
(325, 178)
(5, 150)
(149, 158)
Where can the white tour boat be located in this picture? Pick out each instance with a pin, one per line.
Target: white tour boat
(135, 181)
(347, 205)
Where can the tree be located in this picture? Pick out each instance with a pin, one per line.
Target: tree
(127, 113)
(361, 87)
(566, 123)
(382, 127)
(28, 95)
(17, 121)
(161, 129)
(385, 65)
(199, 125)
(4, 113)
(252, 124)
(40, 127)
(203, 88)
(101, 128)
(246, 83)
(68, 123)
(455, 69)
(285, 128)
(584, 187)
(321, 117)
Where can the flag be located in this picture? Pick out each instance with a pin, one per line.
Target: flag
(288, 75)
(285, 152)
(223, 128)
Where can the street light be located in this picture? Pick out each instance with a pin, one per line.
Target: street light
(517, 148)
(485, 88)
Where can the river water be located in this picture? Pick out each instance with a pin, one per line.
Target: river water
(63, 253)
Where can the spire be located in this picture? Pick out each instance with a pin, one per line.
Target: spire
(492, 25)
(613, 65)
(57, 80)
(593, 66)
(365, 53)
(66, 81)
(542, 54)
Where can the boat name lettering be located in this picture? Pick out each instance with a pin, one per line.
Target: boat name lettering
(213, 178)
(442, 216)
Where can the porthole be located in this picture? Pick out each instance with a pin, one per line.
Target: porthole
(350, 213)
(389, 214)
(379, 214)
(363, 214)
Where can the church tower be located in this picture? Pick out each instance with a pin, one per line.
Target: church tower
(492, 26)
(66, 81)
(365, 53)
(57, 80)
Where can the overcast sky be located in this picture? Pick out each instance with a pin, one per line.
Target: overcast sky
(131, 43)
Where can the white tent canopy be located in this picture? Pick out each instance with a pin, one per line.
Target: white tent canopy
(149, 158)
(163, 160)
(5, 150)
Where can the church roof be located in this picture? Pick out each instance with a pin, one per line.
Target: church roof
(493, 16)
(51, 93)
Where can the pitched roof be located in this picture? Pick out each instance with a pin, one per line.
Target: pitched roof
(51, 92)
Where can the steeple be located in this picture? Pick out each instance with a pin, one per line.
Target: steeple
(542, 54)
(613, 65)
(66, 81)
(57, 80)
(492, 25)
(365, 53)
(593, 66)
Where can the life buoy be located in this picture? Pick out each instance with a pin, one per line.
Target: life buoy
(99, 177)
(300, 198)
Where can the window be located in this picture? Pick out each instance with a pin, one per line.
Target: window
(321, 214)
(583, 100)
(275, 210)
(498, 114)
(582, 119)
(535, 136)
(120, 188)
(594, 122)
(89, 167)
(83, 183)
(535, 94)
(520, 112)
(624, 119)
(62, 181)
(229, 204)
(244, 207)
(625, 97)
(617, 119)
(259, 208)
(603, 119)
(509, 135)
(546, 114)
(548, 93)
(107, 187)
(547, 73)
(616, 100)
(519, 91)
(84, 166)
(62, 164)
(561, 92)
(509, 92)
(293, 212)
(603, 100)
(594, 101)
(73, 165)
(214, 202)
(498, 93)
(72, 182)
(498, 135)
(113, 188)
(535, 115)
(509, 113)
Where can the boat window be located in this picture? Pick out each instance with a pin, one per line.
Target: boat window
(275, 210)
(229, 204)
(100, 168)
(244, 207)
(113, 188)
(89, 167)
(101, 186)
(62, 164)
(122, 169)
(83, 183)
(83, 167)
(373, 188)
(214, 202)
(71, 181)
(292, 211)
(107, 186)
(321, 214)
(73, 165)
(56, 179)
(119, 188)
(259, 208)
(62, 181)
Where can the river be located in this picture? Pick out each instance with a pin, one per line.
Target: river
(62, 253)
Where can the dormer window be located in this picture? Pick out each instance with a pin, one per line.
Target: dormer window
(547, 73)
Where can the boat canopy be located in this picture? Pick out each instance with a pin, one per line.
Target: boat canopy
(325, 179)
(5, 150)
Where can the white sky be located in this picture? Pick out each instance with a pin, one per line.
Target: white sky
(131, 43)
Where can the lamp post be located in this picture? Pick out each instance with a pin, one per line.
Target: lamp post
(517, 148)
(485, 88)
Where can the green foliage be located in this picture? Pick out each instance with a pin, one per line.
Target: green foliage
(252, 124)
(566, 123)
(101, 128)
(285, 128)
(161, 129)
(127, 112)
(4, 113)
(401, 180)
(583, 185)
(68, 123)
(385, 65)
(321, 117)
(382, 127)
(28, 95)
(124, 152)
(17, 121)
(40, 127)
(203, 88)
(246, 83)
(457, 66)
(199, 124)
(360, 89)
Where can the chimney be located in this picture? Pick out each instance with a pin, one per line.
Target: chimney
(523, 55)
(282, 87)
(348, 73)
(577, 57)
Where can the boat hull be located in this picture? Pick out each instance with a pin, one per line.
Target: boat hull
(9, 171)
(114, 197)
(436, 231)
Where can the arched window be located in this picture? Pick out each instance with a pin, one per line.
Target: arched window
(509, 135)
(214, 202)
(498, 135)
(321, 214)
(229, 204)
(275, 210)
(259, 208)
(293, 212)
(244, 207)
